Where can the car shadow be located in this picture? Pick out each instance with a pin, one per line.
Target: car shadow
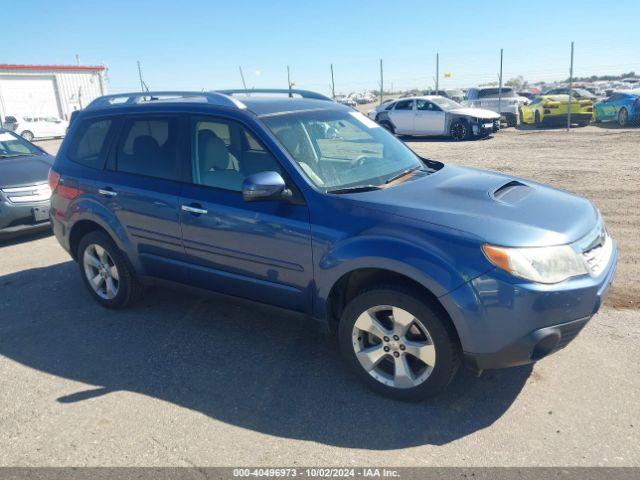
(15, 239)
(440, 139)
(247, 365)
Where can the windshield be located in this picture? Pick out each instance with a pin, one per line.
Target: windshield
(338, 149)
(584, 93)
(13, 146)
(446, 104)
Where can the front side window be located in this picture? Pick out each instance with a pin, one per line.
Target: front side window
(338, 149)
(89, 142)
(149, 147)
(224, 153)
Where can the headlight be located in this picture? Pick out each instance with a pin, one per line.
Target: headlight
(538, 264)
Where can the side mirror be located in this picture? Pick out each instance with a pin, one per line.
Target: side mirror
(264, 186)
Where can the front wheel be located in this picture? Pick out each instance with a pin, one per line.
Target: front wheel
(623, 117)
(398, 344)
(106, 272)
(459, 130)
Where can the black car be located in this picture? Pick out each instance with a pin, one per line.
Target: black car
(24, 188)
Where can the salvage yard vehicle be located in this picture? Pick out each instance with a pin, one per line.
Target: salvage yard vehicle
(305, 204)
(436, 115)
(490, 98)
(622, 107)
(24, 191)
(552, 110)
(31, 128)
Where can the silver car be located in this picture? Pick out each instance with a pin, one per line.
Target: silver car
(438, 116)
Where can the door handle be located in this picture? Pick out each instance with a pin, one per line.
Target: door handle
(194, 208)
(107, 192)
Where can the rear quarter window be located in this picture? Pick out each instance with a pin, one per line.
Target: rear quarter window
(89, 143)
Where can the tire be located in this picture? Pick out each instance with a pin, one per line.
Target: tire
(623, 117)
(27, 135)
(537, 120)
(512, 120)
(521, 115)
(126, 285)
(459, 130)
(388, 126)
(431, 334)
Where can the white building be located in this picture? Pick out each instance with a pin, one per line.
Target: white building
(48, 90)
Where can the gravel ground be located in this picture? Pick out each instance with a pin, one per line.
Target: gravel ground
(180, 380)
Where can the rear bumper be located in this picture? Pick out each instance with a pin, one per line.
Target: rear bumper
(550, 119)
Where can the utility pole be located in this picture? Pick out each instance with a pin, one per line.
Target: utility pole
(437, 72)
(140, 76)
(333, 84)
(570, 90)
(381, 82)
(289, 81)
(244, 84)
(77, 59)
(500, 87)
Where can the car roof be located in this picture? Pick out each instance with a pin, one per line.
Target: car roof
(260, 102)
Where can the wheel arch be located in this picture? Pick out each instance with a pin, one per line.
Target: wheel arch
(350, 284)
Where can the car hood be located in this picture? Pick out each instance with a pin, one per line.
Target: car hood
(476, 112)
(27, 170)
(498, 209)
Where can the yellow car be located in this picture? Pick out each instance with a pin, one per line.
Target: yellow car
(553, 110)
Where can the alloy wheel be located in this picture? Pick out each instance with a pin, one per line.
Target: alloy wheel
(393, 346)
(101, 271)
(459, 131)
(622, 117)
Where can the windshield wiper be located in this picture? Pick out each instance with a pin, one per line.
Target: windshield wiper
(403, 173)
(356, 189)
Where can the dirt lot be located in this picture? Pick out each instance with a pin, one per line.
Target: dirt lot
(182, 381)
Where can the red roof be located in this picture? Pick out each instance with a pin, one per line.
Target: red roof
(9, 66)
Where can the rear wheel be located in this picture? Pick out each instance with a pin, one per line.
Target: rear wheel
(623, 117)
(106, 272)
(459, 130)
(397, 344)
(512, 120)
(27, 135)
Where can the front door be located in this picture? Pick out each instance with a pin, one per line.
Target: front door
(430, 119)
(258, 250)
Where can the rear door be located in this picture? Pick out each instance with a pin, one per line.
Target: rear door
(141, 187)
(403, 116)
(259, 250)
(429, 119)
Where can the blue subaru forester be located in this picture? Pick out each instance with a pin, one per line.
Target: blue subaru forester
(290, 199)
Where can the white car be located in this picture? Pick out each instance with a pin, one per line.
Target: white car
(436, 115)
(373, 113)
(30, 128)
(490, 99)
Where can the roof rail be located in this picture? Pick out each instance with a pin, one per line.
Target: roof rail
(216, 98)
(281, 91)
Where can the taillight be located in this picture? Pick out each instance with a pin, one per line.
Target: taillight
(54, 179)
(59, 188)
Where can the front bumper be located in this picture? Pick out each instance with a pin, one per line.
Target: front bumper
(504, 322)
(18, 219)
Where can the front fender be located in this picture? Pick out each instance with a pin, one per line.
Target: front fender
(436, 268)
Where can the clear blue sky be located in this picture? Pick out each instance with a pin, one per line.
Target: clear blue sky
(200, 44)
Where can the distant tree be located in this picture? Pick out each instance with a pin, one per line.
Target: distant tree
(515, 83)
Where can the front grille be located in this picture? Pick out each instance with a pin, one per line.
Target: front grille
(569, 331)
(28, 194)
(597, 256)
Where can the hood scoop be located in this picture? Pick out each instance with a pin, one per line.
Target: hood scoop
(511, 192)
